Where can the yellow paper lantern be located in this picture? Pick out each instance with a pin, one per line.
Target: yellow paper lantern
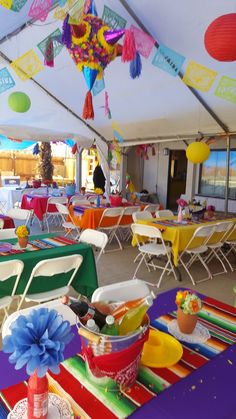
(198, 152)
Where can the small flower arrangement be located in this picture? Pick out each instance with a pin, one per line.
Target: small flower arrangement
(189, 302)
(211, 208)
(182, 203)
(22, 231)
(98, 191)
(47, 182)
(38, 341)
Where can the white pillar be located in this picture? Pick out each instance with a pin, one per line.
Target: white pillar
(78, 167)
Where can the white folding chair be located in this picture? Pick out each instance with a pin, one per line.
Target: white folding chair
(152, 249)
(222, 230)
(203, 234)
(164, 213)
(96, 238)
(52, 214)
(7, 233)
(69, 226)
(125, 229)
(76, 200)
(122, 291)
(152, 208)
(1, 224)
(141, 215)
(57, 305)
(9, 269)
(111, 230)
(20, 214)
(49, 268)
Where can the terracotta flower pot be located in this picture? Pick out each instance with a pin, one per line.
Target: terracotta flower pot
(186, 322)
(23, 241)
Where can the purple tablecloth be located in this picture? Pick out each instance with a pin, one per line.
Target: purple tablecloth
(187, 399)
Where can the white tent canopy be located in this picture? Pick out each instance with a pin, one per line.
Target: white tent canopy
(154, 105)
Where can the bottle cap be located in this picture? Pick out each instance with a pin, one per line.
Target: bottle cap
(90, 323)
(110, 320)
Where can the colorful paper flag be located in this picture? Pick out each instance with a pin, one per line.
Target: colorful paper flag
(59, 13)
(39, 9)
(27, 65)
(98, 87)
(76, 12)
(226, 89)
(113, 19)
(199, 77)
(57, 46)
(6, 80)
(117, 133)
(6, 3)
(17, 5)
(168, 60)
(144, 42)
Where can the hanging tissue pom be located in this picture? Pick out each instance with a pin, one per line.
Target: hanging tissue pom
(129, 48)
(74, 149)
(136, 66)
(38, 341)
(66, 32)
(49, 54)
(88, 112)
(36, 149)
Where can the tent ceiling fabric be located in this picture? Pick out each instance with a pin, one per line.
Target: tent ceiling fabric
(156, 104)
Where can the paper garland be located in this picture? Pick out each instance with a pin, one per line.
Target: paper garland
(112, 19)
(39, 9)
(168, 60)
(199, 76)
(226, 89)
(143, 42)
(27, 65)
(57, 46)
(14, 5)
(6, 80)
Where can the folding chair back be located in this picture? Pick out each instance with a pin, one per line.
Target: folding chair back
(76, 200)
(224, 227)
(152, 208)
(8, 233)
(56, 200)
(9, 269)
(62, 209)
(131, 210)
(164, 213)
(204, 233)
(142, 230)
(141, 215)
(231, 234)
(1, 223)
(95, 238)
(19, 214)
(115, 213)
(49, 268)
(121, 291)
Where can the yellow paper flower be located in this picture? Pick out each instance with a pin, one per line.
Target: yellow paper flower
(98, 191)
(22, 231)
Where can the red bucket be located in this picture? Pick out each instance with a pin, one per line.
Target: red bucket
(116, 200)
(113, 361)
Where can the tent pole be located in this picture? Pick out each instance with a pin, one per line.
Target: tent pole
(9, 61)
(193, 91)
(227, 175)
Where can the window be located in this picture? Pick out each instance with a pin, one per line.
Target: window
(213, 175)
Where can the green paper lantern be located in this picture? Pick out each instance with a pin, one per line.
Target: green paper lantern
(19, 102)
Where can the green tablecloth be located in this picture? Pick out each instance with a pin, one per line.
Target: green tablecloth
(85, 281)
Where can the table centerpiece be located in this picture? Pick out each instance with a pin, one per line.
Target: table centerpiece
(189, 304)
(22, 233)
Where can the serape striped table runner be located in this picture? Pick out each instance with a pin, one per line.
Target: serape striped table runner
(41, 244)
(90, 401)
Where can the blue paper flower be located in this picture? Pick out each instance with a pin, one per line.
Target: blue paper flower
(38, 341)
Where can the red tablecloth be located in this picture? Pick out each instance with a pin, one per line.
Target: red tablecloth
(37, 203)
(8, 221)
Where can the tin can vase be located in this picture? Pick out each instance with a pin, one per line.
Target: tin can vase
(186, 322)
(23, 241)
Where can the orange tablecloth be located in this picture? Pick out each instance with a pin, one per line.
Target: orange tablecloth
(91, 218)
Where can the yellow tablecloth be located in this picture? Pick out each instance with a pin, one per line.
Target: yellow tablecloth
(180, 235)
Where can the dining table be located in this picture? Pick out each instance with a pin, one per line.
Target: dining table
(179, 234)
(37, 203)
(49, 246)
(200, 385)
(89, 216)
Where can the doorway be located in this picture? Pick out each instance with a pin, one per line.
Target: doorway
(177, 177)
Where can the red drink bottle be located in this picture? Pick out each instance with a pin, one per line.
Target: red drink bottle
(37, 397)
